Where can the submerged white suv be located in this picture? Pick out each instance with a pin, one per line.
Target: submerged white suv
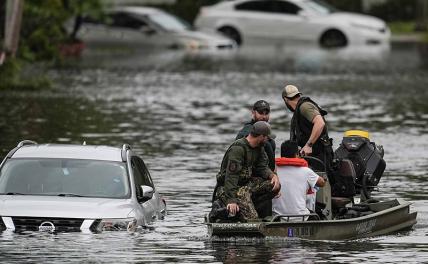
(66, 188)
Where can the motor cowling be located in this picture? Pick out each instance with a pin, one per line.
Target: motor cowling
(366, 157)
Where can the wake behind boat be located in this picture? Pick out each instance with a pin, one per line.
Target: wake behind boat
(345, 208)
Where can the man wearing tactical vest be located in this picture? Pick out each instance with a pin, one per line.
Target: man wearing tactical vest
(245, 177)
(308, 127)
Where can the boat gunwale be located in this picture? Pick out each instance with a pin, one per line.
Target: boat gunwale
(402, 204)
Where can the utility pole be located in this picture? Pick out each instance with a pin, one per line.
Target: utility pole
(12, 27)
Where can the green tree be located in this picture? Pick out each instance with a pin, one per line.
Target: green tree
(42, 33)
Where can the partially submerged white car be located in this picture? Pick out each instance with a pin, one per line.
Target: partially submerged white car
(291, 20)
(148, 27)
(76, 188)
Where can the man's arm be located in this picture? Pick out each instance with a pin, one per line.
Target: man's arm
(317, 129)
(320, 182)
(262, 170)
(233, 171)
(314, 179)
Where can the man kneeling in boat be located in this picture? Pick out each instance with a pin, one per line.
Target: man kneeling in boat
(296, 180)
(245, 178)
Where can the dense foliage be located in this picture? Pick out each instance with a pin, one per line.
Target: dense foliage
(42, 32)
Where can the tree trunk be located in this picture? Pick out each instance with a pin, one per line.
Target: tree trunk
(422, 19)
(12, 26)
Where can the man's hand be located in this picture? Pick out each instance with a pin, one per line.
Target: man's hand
(275, 182)
(233, 209)
(306, 151)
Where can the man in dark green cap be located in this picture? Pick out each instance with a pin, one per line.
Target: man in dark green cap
(245, 177)
(261, 112)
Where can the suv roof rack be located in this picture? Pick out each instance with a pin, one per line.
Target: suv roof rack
(20, 144)
(125, 148)
(26, 142)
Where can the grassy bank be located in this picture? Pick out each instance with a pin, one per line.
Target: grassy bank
(403, 29)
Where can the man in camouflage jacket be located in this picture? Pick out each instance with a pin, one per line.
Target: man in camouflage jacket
(245, 177)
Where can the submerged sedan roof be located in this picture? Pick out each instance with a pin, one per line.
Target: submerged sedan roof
(60, 151)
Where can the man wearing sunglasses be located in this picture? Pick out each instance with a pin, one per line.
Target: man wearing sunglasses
(261, 112)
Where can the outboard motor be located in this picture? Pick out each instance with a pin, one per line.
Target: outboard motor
(367, 160)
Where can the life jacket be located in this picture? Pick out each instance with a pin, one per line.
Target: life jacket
(297, 162)
(301, 128)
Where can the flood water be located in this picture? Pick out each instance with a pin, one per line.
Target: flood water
(180, 112)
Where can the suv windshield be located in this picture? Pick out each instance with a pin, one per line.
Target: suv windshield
(64, 177)
(319, 7)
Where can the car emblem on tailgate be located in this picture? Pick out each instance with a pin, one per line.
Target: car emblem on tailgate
(47, 227)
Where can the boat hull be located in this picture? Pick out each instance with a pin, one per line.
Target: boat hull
(388, 217)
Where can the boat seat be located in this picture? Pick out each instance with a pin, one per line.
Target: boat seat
(344, 178)
(339, 202)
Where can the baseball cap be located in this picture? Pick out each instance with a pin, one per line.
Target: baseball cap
(290, 91)
(262, 128)
(261, 105)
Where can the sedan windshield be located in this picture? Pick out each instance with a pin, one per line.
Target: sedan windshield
(169, 22)
(64, 177)
(319, 7)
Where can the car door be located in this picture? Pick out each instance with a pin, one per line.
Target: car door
(142, 177)
(286, 23)
(253, 18)
(126, 30)
(94, 32)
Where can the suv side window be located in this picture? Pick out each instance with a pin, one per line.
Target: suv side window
(141, 174)
(124, 20)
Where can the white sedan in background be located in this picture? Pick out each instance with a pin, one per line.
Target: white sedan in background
(145, 27)
(289, 20)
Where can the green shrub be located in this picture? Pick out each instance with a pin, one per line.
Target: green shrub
(42, 33)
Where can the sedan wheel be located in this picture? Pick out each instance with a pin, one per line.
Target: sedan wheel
(231, 33)
(333, 38)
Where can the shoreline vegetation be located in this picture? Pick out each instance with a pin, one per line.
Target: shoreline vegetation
(404, 31)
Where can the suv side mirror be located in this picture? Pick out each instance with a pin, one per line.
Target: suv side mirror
(147, 192)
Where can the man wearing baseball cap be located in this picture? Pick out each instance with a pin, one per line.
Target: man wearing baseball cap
(308, 126)
(261, 112)
(245, 178)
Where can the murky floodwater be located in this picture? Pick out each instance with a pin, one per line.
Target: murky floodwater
(181, 111)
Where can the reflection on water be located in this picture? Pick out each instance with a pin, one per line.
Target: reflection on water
(180, 111)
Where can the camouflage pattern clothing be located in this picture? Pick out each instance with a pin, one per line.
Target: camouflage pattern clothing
(244, 178)
(264, 208)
